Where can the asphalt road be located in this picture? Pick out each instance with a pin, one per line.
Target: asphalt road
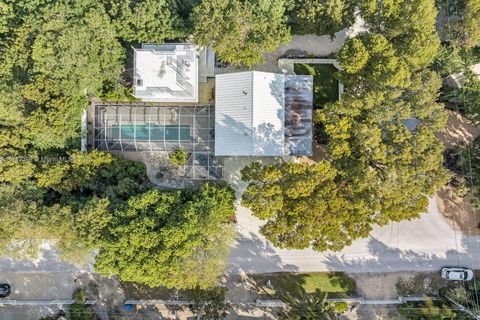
(423, 244)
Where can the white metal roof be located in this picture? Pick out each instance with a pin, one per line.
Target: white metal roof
(249, 114)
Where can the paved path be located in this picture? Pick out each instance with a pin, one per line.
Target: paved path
(424, 244)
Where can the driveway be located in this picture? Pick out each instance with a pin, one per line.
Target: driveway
(423, 244)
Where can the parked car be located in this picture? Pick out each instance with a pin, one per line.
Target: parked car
(457, 274)
(5, 290)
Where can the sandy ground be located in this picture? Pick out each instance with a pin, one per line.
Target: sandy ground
(379, 286)
(458, 131)
(459, 210)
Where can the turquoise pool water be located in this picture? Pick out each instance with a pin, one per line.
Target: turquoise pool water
(157, 132)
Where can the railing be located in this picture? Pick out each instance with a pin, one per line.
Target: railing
(42, 302)
(280, 303)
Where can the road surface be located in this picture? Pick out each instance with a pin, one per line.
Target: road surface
(424, 244)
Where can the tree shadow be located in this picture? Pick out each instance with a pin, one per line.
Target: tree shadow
(389, 259)
(255, 255)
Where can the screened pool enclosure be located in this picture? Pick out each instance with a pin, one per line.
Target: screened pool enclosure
(160, 128)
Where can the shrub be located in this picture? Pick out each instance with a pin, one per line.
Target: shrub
(341, 307)
(79, 310)
(178, 157)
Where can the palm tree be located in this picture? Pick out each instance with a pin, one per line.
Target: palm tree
(305, 306)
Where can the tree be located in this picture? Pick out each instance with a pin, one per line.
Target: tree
(322, 17)
(240, 31)
(408, 24)
(59, 50)
(305, 205)
(74, 172)
(79, 310)
(463, 27)
(173, 239)
(384, 160)
(146, 20)
(370, 62)
(71, 202)
(304, 306)
(56, 53)
(16, 158)
(209, 303)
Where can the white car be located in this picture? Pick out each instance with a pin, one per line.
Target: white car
(457, 274)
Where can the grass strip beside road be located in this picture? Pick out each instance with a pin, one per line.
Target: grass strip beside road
(331, 282)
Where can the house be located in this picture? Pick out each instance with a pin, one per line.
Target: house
(263, 114)
(171, 72)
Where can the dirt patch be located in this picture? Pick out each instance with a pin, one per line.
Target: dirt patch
(459, 210)
(458, 130)
(206, 92)
(381, 286)
(320, 152)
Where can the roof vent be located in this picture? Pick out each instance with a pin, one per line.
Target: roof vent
(244, 92)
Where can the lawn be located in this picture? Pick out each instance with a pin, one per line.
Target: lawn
(325, 86)
(330, 282)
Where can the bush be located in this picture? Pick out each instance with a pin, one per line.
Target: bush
(79, 310)
(341, 307)
(178, 157)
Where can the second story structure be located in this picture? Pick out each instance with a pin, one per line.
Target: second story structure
(170, 72)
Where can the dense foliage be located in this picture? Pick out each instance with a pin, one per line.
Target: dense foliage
(427, 310)
(307, 306)
(173, 239)
(53, 55)
(322, 16)
(79, 310)
(66, 200)
(240, 31)
(383, 158)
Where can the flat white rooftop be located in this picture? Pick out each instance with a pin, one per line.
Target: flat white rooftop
(166, 73)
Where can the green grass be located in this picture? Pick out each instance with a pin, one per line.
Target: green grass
(325, 85)
(329, 282)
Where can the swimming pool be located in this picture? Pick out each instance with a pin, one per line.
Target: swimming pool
(152, 132)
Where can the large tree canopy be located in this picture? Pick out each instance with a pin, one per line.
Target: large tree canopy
(66, 199)
(322, 16)
(146, 20)
(54, 55)
(240, 31)
(304, 206)
(383, 158)
(174, 239)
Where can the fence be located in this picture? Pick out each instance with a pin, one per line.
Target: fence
(41, 302)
